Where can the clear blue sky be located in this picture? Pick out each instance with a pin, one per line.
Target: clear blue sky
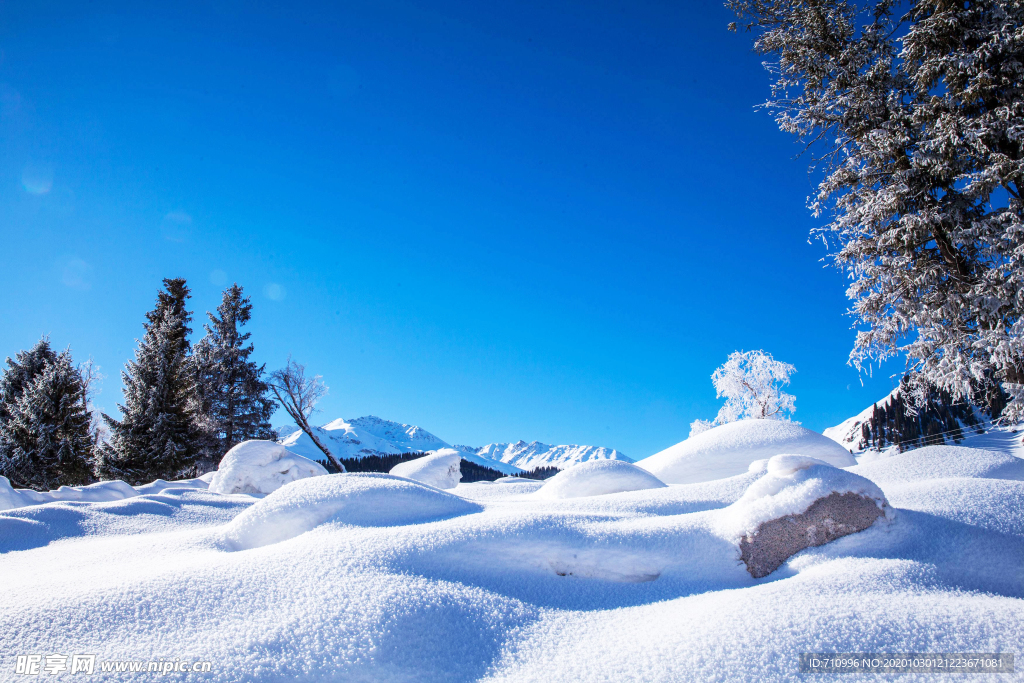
(495, 220)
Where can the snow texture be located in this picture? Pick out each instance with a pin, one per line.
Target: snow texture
(261, 467)
(599, 477)
(730, 449)
(370, 577)
(439, 469)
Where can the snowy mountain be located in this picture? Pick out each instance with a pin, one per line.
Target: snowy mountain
(375, 436)
(360, 437)
(528, 456)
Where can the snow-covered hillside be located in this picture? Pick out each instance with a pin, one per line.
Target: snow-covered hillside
(375, 436)
(729, 449)
(528, 456)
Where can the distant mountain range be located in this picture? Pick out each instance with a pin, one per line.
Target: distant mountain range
(375, 436)
(528, 456)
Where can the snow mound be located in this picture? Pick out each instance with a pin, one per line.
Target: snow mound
(792, 483)
(942, 462)
(440, 469)
(730, 449)
(598, 477)
(261, 467)
(100, 492)
(362, 499)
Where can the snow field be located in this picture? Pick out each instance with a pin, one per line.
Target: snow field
(376, 578)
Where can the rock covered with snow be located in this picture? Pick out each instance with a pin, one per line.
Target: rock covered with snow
(261, 467)
(439, 469)
(359, 499)
(730, 449)
(800, 502)
(597, 478)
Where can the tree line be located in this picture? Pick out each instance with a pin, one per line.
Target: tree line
(184, 405)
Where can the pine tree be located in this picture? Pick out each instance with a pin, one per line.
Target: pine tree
(46, 437)
(916, 109)
(20, 373)
(235, 397)
(162, 430)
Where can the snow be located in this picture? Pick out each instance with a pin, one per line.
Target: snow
(598, 477)
(730, 449)
(848, 432)
(529, 456)
(362, 436)
(439, 469)
(100, 492)
(375, 436)
(360, 499)
(261, 467)
(790, 485)
(372, 577)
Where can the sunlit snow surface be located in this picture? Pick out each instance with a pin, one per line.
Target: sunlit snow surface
(494, 581)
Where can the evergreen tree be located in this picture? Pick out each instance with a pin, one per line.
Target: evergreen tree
(46, 437)
(916, 110)
(235, 397)
(20, 373)
(162, 430)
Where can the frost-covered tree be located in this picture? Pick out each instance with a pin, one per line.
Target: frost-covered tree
(700, 426)
(235, 397)
(751, 383)
(20, 372)
(46, 439)
(916, 110)
(162, 430)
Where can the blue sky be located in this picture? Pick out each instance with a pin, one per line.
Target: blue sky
(498, 221)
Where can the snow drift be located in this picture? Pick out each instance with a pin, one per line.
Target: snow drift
(361, 499)
(598, 477)
(261, 467)
(100, 492)
(730, 449)
(440, 469)
(369, 577)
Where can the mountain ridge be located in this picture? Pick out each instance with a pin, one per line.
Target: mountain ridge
(372, 435)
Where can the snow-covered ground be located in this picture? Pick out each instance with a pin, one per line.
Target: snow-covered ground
(374, 577)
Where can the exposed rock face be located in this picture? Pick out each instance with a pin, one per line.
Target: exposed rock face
(828, 518)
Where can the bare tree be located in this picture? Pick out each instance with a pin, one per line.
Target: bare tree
(298, 395)
(91, 380)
